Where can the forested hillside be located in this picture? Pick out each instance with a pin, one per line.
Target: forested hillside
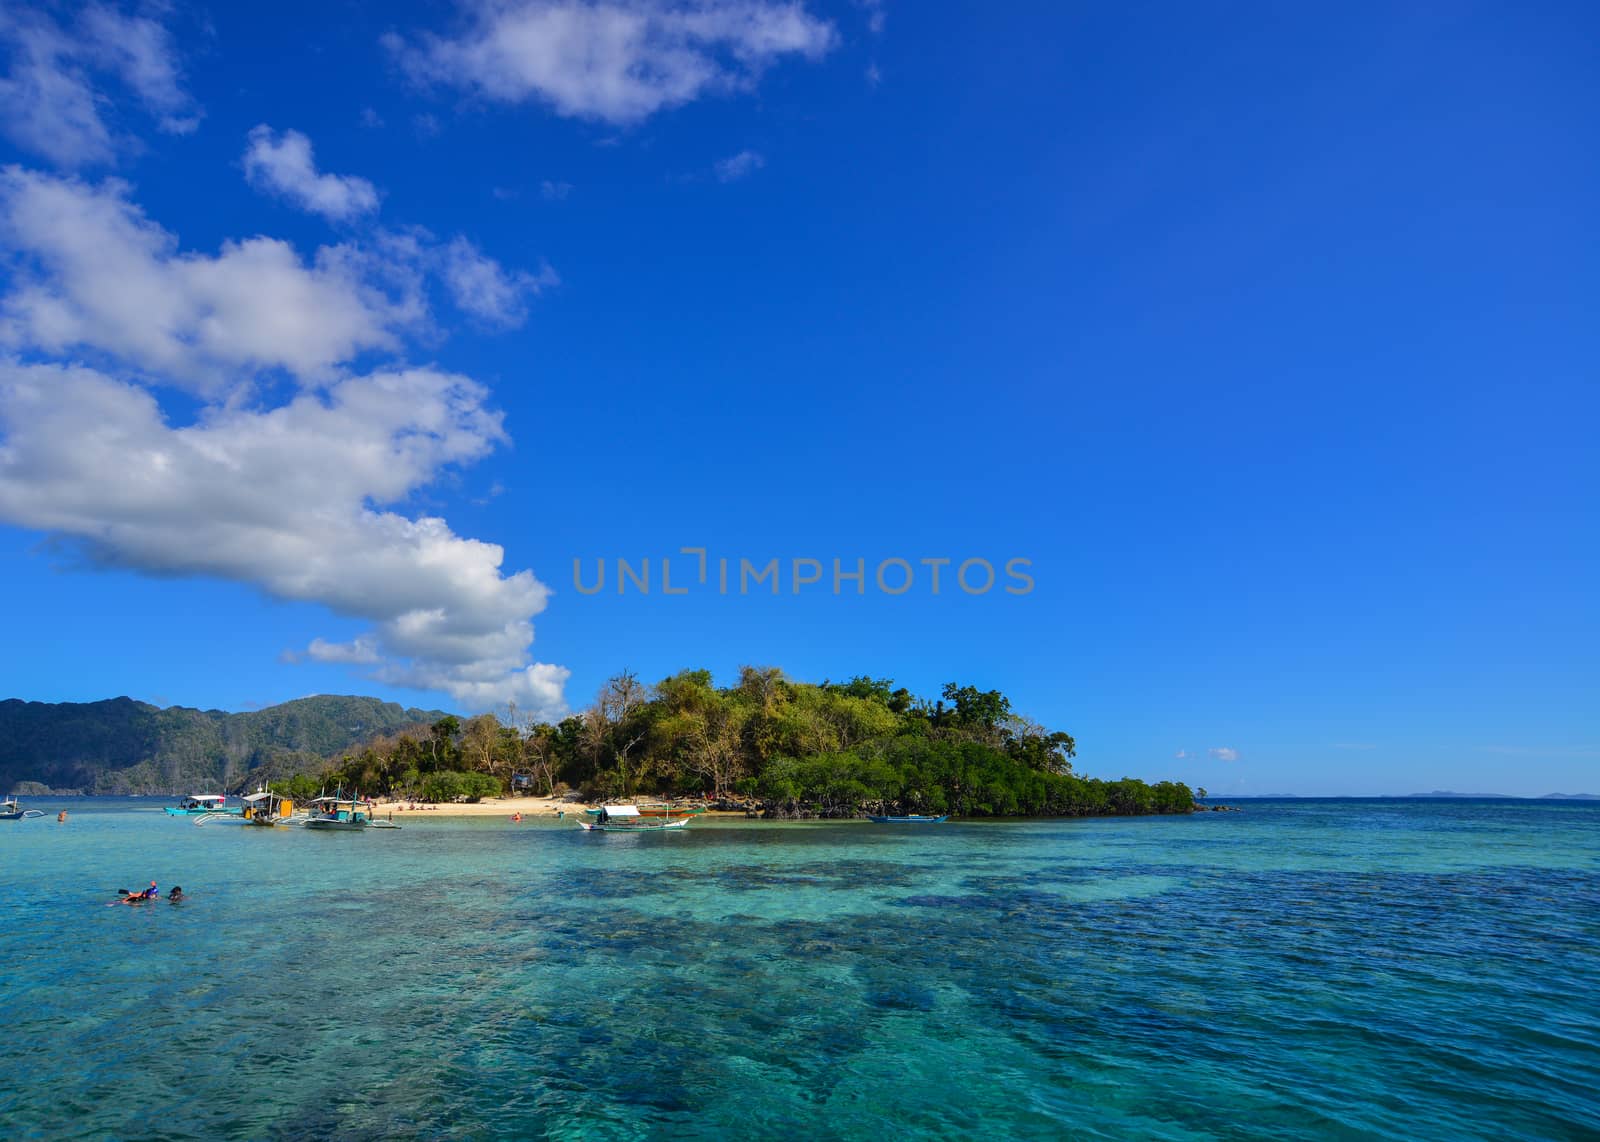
(124, 746)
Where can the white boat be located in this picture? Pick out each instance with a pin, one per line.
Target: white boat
(10, 810)
(200, 804)
(627, 819)
(338, 814)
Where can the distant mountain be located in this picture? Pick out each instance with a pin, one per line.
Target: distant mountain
(124, 746)
(1469, 796)
(1571, 797)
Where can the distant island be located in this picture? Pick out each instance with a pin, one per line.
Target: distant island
(788, 749)
(1437, 794)
(122, 746)
(1509, 796)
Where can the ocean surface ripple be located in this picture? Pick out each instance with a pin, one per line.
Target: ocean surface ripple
(1303, 969)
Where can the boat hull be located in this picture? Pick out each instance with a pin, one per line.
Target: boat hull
(915, 820)
(655, 826)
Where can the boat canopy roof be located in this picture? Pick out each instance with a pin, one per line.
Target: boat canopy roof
(259, 796)
(620, 810)
(207, 797)
(338, 801)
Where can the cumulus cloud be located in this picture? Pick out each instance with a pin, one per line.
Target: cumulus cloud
(1223, 753)
(284, 165)
(290, 499)
(304, 498)
(48, 100)
(739, 165)
(95, 273)
(617, 61)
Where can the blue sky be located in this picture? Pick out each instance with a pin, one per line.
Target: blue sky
(331, 336)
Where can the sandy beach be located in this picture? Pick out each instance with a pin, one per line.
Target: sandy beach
(489, 807)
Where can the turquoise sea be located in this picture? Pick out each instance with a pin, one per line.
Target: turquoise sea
(1301, 969)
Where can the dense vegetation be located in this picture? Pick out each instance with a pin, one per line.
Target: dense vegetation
(124, 746)
(798, 749)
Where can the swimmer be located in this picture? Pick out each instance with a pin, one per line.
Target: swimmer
(176, 894)
(137, 897)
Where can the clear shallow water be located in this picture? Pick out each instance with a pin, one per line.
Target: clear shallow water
(1305, 969)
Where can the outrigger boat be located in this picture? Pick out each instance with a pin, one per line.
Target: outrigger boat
(200, 804)
(628, 819)
(655, 810)
(909, 819)
(339, 813)
(268, 809)
(11, 811)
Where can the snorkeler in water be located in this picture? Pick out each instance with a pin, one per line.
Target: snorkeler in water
(138, 897)
(176, 894)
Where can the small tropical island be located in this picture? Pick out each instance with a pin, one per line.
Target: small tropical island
(766, 744)
(790, 750)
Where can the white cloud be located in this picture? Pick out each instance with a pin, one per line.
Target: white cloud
(739, 165)
(47, 104)
(1181, 755)
(284, 165)
(290, 499)
(362, 651)
(140, 52)
(483, 288)
(302, 499)
(618, 61)
(370, 118)
(555, 191)
(48, 100)
(1223, 753)
(94, 273)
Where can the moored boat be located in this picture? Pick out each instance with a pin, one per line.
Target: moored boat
(338, 813)
(268, 809)
(908, 819)
(628, 819)
(655, 810)
(11, 810)
(199, 804)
